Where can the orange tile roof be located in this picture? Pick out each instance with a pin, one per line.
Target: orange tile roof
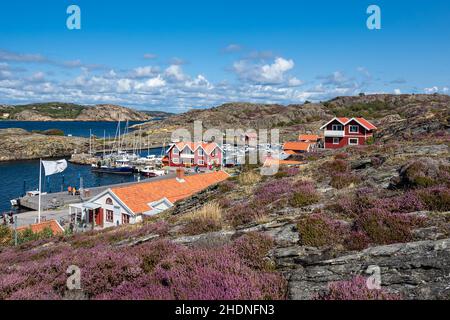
(138, 196)
(308, 137)
(207, 146)
(291, 152)
(343, 119)
(39, 227)
(366, 123)
(271, 161)
(296, 146)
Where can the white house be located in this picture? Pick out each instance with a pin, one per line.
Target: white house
(127, 204)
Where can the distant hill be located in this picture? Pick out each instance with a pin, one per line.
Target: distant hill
(58, 111)
(157, 114)
(396, 115)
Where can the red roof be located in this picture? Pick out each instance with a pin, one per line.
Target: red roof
(296, 146)
(308, 137)
(39, 227)
(273, 161)
(207, 146)
(138, 196)
(345, 121)
(366, 123)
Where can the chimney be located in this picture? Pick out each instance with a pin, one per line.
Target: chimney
(180, 174)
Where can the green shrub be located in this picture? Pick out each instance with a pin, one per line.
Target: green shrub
(5, 235)
(318, 230)
(343, 180)
(435, 198)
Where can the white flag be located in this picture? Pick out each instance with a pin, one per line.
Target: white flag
(52, 167)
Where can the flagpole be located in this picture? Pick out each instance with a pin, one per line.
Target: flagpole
(39, 201)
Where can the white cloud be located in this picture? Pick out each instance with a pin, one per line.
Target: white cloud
(147, 71)
(263, 73)
(124, 85)
(150, 56)
(232, 48)
(175, 72)
(151, 84)
(431, 90)
(397, 91)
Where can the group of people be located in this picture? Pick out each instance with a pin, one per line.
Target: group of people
(8, 217)
(73, 191)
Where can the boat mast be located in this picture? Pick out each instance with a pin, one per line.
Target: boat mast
(104, 143)
(90, 141)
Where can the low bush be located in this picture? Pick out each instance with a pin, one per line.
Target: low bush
(341, 156)
(435, 198)
(249, 178)
(336, 166)
(355, 289)
(153, 270)
(343, 180)
(6, 236)
(200, 226)
(272, 191)
(252, 248)
(28, 235)
(207, 219)
(304, 194)
(318, 230)
(227, 186)
(357, 240)
(383, 227)
(244, 213)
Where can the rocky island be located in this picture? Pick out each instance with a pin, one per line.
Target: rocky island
(57, 111)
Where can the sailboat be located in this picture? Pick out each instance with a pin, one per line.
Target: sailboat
(116, 163)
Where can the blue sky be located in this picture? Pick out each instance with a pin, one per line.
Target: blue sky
(177, 55)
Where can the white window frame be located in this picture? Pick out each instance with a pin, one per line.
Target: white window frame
(353, 126)
(201, 152)
(336, 139)
(353, 144)
(335, 126)
(175, 160)
(201, 162)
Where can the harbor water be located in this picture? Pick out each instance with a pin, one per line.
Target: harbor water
(17, 177)
(74, 128)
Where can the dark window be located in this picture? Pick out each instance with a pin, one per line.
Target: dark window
(125, 219)
(109, 201)
(109, 216)
(354, 129)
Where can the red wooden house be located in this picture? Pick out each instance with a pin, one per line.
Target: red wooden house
(190, 154)
(341, 132)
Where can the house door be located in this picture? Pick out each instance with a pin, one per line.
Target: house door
(99, 217)
(91, 216)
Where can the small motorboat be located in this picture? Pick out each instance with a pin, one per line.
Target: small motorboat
(150, 171)
(14, 202)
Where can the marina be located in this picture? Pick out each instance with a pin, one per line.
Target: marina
(19, 177)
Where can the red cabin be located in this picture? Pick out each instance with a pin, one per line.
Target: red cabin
(190, 154)
(341, 132)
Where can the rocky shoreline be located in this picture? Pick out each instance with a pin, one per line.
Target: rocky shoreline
(19, 144)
